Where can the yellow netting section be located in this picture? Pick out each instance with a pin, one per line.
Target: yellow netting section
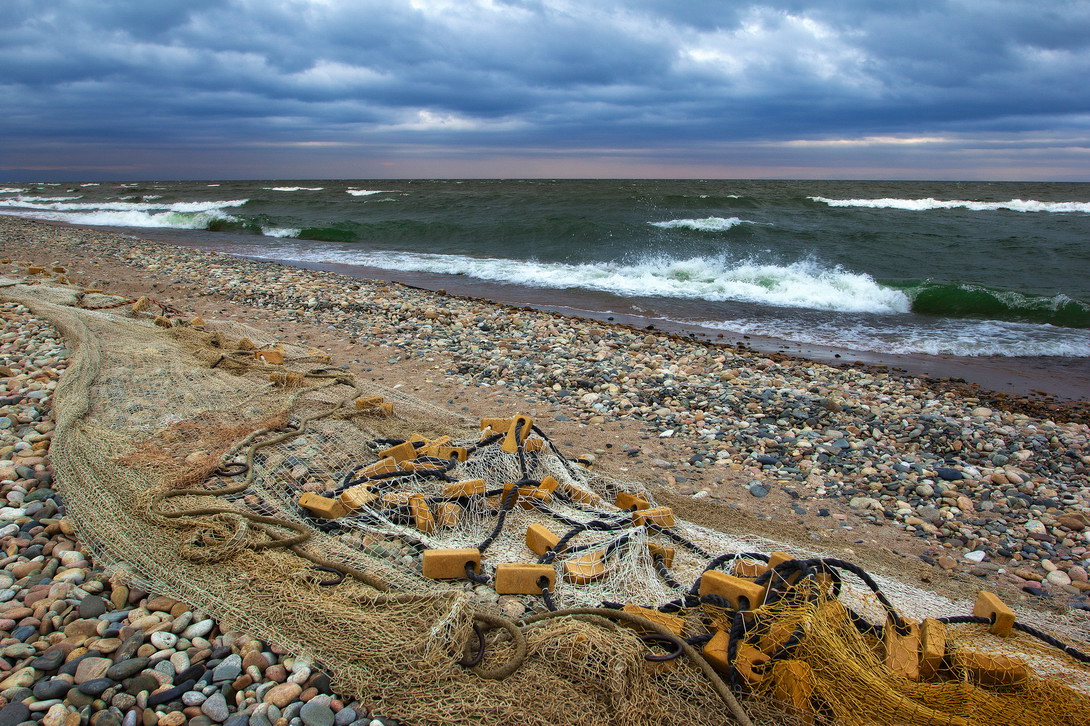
(182, 451)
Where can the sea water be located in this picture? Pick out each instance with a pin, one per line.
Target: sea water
(896, 267)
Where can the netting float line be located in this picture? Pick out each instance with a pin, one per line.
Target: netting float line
(470, 571)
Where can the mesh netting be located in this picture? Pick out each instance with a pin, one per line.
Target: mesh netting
(184, 450)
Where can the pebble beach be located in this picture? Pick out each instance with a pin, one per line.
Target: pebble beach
(991, 487)
(77, 646)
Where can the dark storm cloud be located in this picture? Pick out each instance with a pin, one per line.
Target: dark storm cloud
(511, 74)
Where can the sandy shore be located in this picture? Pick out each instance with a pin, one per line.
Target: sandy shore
(907, 475)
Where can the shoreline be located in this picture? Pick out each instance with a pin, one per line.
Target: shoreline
(912, 473)
(1042, 378)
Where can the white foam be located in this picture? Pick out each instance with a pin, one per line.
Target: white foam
(922, 205)
(11, 190)
(23, 198)
(90, 184)
(805, 284)
(149, 197)
(134, 218)
(280, 232)
(942, 337)
(124, 206)
(294, 189)
(367, 192)
(707, 224)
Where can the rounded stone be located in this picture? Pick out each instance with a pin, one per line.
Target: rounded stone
(53, 688)
(95, 686)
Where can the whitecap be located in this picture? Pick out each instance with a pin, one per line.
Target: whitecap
(135, 218)
(802, 284)
(929, 203)
(123, 206)
(707, 224)
(939, 337)
(280, 232)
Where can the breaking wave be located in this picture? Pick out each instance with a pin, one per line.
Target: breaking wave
(948, 337)
(707, 224)
(178, 215)
(123, 206)
(922, 205)
(294, 189)
(805, 284)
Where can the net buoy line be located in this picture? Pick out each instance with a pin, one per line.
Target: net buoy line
(725, 623)
(737, 597)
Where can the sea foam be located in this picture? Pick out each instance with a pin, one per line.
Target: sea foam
(124, 206)
(177, 215)
(804, 284)
(707, 224)
(294, 189)
(972, 338)
(929, 203)
(367, 192)
(280, 232)
(134, 218)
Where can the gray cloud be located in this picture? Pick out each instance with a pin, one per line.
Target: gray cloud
(454, 76)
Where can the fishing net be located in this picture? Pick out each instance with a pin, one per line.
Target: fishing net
(454, 570)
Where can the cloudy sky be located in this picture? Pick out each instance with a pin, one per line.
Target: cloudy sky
(920, 89)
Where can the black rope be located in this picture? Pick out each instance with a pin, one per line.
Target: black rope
(735, 637)
(678, 539)
(1055, 643)
(664, 572)
(1027, 629)
(563, 460)
(505, 507)
(595, 525)
(686, 602)
(547, 596)
(472, 574)
(472, 448)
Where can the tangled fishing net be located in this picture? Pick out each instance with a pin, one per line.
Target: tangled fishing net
(386, 538)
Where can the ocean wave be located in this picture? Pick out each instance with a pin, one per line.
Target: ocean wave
(22, 198)
(971, 338)
(977, 301)
(124, 206)
(804, 284)
(707, 224)
(367, 192)
(294, 189)
(204, 219)
(280, 232)
(89, 184)
(921, 205)
(11, 190)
